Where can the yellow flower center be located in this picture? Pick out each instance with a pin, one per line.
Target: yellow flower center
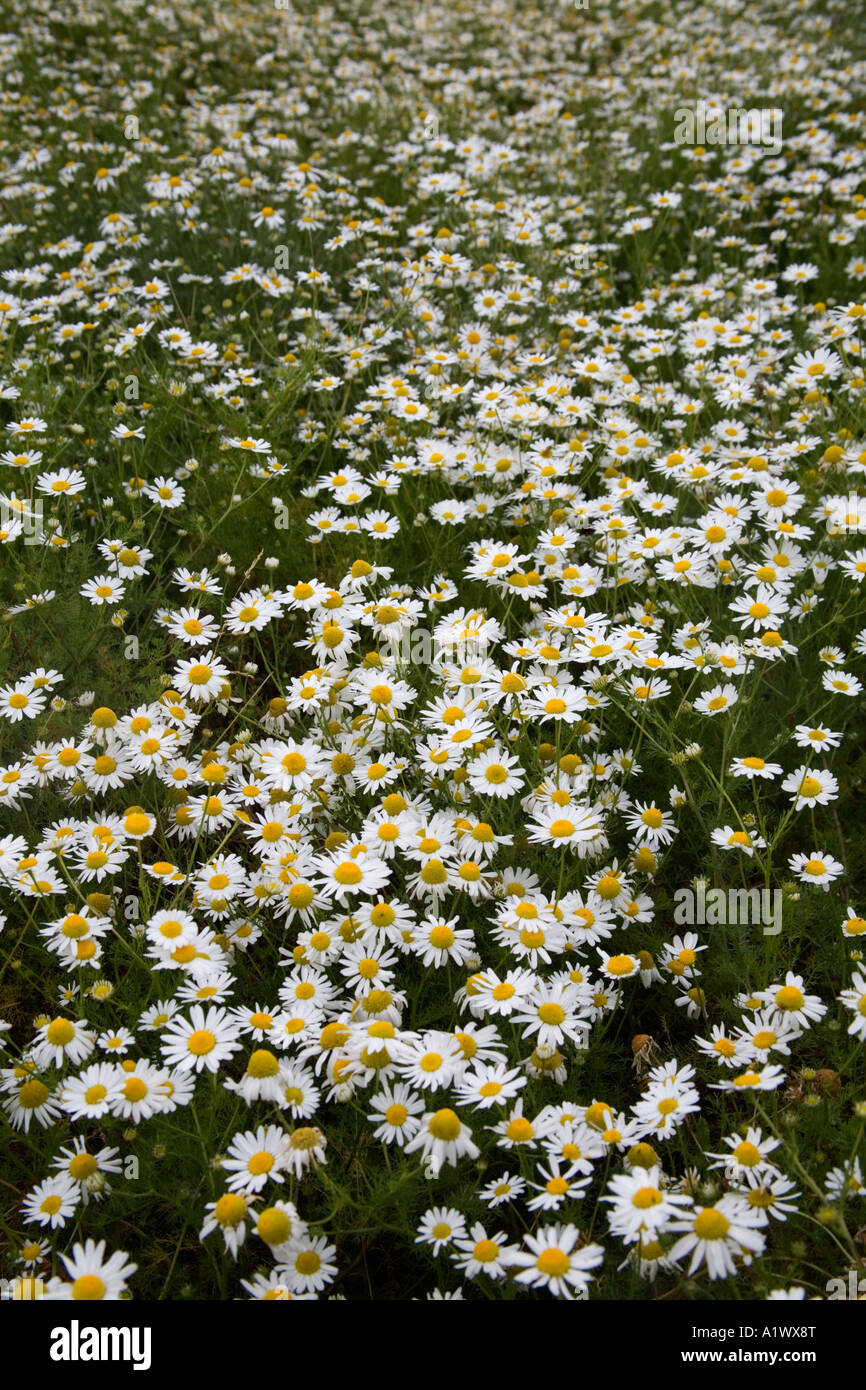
(646, 1197)
(789, 998)
(620, 965)
(274, 1226)
(711, 1225)
(231, 1209)
(608, 887)
(305, 1138)
(747, 1154)
(60, 1033)
(262, 1063)
(551, 1013)
(562, 829)
(444, 1125)
(88, 1288)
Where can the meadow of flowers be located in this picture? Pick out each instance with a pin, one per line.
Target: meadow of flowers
(433, 507)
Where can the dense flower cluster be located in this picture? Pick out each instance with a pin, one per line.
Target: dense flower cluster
(435, 549)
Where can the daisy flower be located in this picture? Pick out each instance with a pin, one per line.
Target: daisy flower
(746, 841)
(664, 1107)
(193, 627)
(89, 1170)
(117, 1041)
(20, 701)
(765, 1032)
(619, 967)
(105, 589)
(297, 1092)
(63, 1040)
(438, 941)
(847, 1181)
(440, 1227)
(229, 1214)
(652, 826)
(496, 773)
(91, 1276)
(817, 868)
(639, 1205)
(307, 1266)
(805, 736)
(430, 1061)
(272, 1288)
(501, 995)
(342, 875)
(141, 1093)
(165, 492)
(841, 683)
(718, 1236)
(752, 766)
(557, 1187)
(681, 955)
(442, 1139)
(809, 368)
(580, 827)
(279, 1224)
(853, 925)
(205, 1040)
(769, 1078)
(305, 1148)
(396, 1114)
(479, 1253)
(565, 704)
(552, 1261)
(551, 1014)
(746, 1154)
(255, 1158)
(505, 1189)
(854, 999)
(716, 700)
(52, 1202)
(810, 787)
(771, 1194)
(32, 1253)
(92, 1093)
(200, 679)
(255, 446)
(489, 1084)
